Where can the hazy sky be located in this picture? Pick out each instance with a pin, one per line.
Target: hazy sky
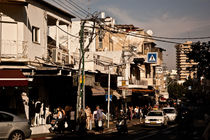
(170, 18)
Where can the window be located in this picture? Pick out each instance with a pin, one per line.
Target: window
(100, 43)
(5, 118)
(110, 44)
(35, 34)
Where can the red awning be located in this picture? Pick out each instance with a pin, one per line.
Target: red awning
(12, 78)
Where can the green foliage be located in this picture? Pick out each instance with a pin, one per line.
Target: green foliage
(176, 90)
(201, 54)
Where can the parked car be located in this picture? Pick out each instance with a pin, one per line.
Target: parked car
(171, 113)
(156, 118)
(13, 127)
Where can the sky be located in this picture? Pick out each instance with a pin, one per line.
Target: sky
(169, 18)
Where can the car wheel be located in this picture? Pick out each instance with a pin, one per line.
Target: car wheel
(17, 135)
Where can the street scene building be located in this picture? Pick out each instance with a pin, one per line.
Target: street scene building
(79, 76)
(40, 64)
(184, 66)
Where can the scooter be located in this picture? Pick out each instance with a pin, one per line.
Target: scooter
(56, 126)
(122, 125)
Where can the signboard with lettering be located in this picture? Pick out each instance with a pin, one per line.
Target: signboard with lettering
(159, 70)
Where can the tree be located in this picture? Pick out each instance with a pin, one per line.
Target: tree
(176, 90)
(200, 53)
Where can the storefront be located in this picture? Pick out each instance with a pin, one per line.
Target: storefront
(13, 92)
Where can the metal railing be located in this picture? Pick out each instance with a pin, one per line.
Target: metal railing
(138, 82)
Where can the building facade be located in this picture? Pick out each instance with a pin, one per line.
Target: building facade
(183, 64)
(41, 64)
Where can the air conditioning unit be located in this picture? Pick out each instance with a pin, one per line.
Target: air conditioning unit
(65, 58)
(57, 55)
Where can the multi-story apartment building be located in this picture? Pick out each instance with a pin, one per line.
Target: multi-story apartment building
(183, 64)
(34, 64)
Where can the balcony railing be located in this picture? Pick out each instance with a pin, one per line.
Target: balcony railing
(14, 49)
(102, 62)
(138, 82)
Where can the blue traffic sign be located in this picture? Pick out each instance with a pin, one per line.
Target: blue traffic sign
(110, 97)
(152, 57)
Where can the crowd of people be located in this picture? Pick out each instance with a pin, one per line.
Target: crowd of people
(89, 119)
(66, 119)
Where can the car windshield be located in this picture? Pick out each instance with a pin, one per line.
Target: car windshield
(169, 110)
(155, 114)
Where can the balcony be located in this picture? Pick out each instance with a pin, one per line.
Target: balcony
(101, 63)
(14, 49)
(59, 55)
(138, 83)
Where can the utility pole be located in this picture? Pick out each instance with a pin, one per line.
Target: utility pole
(108, 106)
(80, 72)
(1, 14)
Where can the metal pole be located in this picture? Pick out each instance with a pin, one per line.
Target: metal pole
(108, 96)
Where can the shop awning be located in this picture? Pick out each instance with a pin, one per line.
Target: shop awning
(12, 78)
(97, 91)
(142, 90)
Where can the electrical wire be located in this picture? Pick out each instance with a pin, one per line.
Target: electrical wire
(78, 7)
(72, 8)
(155, 38)
(67, 32)
(79, 16)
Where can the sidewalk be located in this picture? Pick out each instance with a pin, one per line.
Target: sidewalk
(44, 129)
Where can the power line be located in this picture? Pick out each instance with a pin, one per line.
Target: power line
(67, 32)
(78, 7)
(156, 38)
(78, 11)
(79, 16)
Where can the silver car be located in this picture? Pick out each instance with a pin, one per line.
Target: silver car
(13, 127)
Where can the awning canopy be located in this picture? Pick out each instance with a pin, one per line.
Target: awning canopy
(142, 90)
(12, 78)
(97, 91)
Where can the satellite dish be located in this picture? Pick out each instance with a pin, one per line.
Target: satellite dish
(149, 32)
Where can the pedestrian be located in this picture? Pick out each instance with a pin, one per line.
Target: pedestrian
(99, 119)
(95, 119)
(140, 115)
(136, 112)
(131, 112)
(72, 119)
(67, 119)
(82, 121)
(89, 118)
(60, 119)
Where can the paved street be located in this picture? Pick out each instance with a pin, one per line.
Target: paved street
(135, 132)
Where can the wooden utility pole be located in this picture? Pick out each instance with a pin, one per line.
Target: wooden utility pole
(80, 72)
